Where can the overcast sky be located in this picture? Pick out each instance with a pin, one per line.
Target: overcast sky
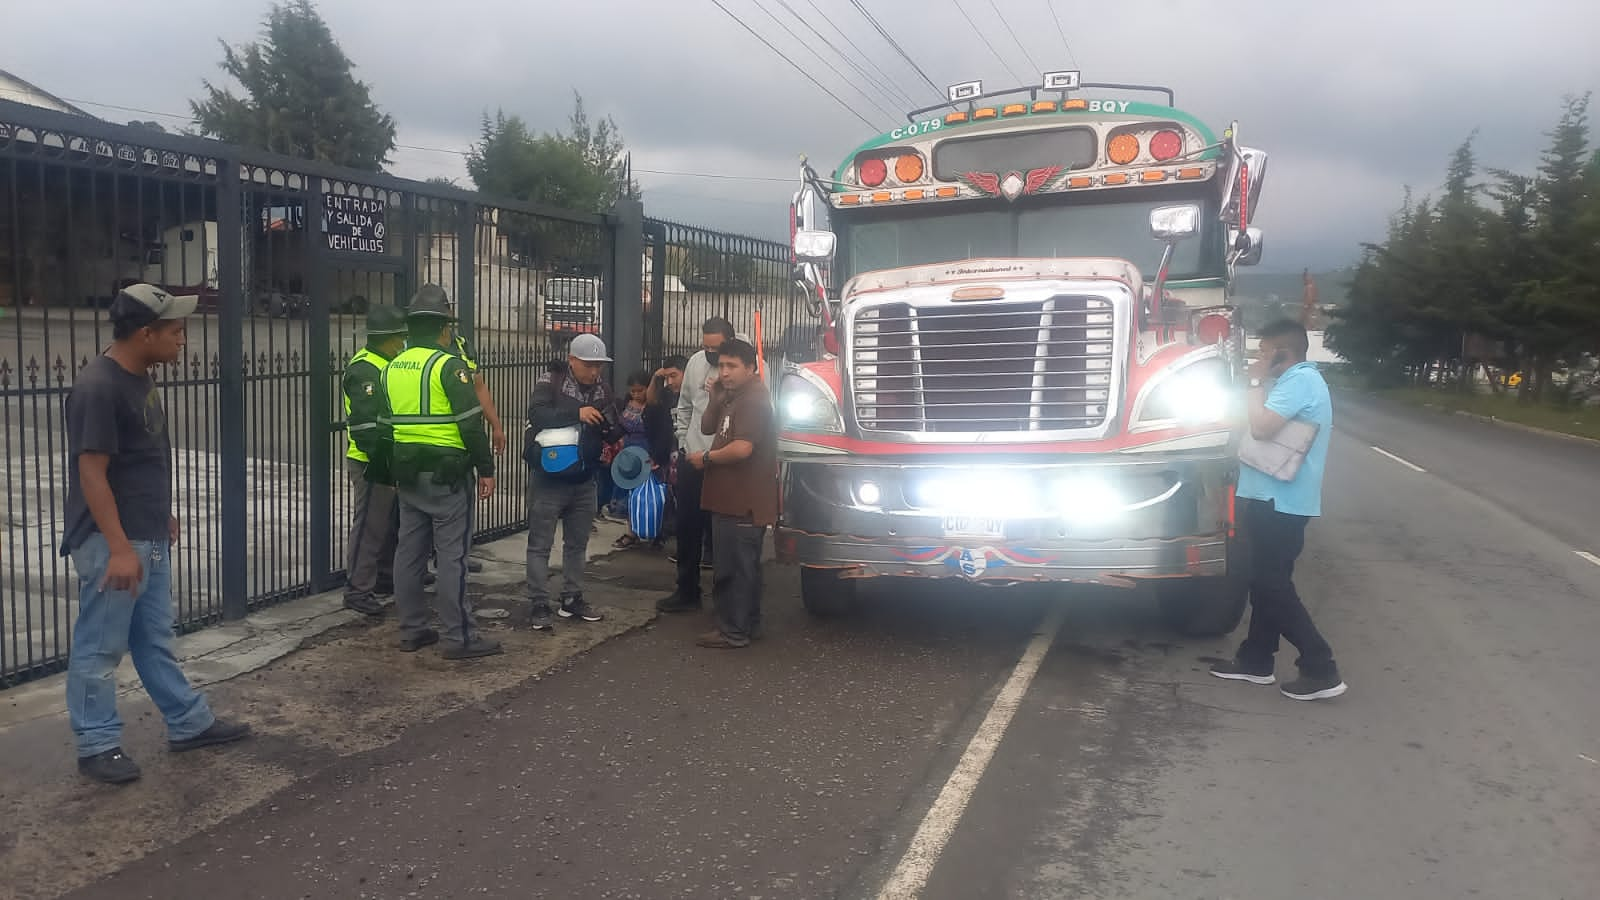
(1353, 100)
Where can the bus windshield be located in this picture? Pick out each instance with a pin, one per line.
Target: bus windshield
(889, 238)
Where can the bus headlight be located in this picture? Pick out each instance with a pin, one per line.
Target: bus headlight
(804, 407)
(1197, 394)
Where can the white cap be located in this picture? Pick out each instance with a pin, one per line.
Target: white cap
(588, 348)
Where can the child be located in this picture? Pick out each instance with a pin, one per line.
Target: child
(630, 413)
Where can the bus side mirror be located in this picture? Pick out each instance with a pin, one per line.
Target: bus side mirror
(1247, 246)
(814, 246)
(1174, 223)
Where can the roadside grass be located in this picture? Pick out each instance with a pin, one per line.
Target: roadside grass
(1579, 421)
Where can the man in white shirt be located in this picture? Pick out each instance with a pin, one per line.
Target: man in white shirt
(693, 523)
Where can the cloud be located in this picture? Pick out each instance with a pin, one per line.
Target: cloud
(1353, 100)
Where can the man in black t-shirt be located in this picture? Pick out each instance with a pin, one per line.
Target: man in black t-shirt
(120, 533)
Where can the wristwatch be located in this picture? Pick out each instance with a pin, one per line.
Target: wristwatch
(705, 459)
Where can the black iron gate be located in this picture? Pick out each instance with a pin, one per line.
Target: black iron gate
(286, 256)
(692, 274)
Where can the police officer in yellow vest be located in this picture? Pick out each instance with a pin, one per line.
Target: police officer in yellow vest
(441, 463)
(369, 568)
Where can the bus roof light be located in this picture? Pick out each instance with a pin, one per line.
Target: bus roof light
(1166, 145)
(873, 172)
(908, 168)
(966, 90)
(1123, 149)
(1061, 81)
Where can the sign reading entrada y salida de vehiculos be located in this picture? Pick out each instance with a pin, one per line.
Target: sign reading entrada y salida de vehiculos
(353, 224)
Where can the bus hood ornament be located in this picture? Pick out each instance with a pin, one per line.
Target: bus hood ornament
(1011, 185)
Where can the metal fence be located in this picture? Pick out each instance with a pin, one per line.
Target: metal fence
(286, 256)
(694, 273)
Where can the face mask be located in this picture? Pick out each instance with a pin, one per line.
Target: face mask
(712, 356)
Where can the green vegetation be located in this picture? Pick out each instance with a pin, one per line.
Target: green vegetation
(582, 168)
(1580, 421)
(1460, 286)
(300, 99)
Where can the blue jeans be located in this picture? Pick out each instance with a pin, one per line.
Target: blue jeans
(114, 623)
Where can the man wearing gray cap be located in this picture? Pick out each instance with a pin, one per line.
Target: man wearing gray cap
(373, 527)
(567, 429)
(120, 533)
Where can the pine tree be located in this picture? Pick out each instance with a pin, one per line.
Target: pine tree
(301, 98)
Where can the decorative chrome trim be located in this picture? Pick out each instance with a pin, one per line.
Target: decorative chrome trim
(1138, 426)
(1116, 293)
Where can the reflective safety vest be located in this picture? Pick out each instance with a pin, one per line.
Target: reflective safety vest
(362, 356)
(419, 410)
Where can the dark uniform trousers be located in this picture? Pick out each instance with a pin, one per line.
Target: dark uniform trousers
(433, 517)
(373, 535)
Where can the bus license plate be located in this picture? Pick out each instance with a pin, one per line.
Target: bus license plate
(974, 526)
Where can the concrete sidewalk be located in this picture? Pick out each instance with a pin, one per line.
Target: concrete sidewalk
(318, 684)
(227, 651)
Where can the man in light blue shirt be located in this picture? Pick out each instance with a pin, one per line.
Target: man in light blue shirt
(1274, 514)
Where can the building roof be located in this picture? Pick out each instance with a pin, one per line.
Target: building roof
(16, 88)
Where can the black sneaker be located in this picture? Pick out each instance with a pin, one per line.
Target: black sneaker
(220, 732)
(427, 637)
(110, 767)
(578, 608)
(541, 619)
(1307, 688)
(383, 589)
(1233, 670)
(474, 566)
(477, 647)
(672, 558)
(367, 606)
(677, 603)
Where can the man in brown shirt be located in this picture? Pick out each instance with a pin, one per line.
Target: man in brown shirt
(740, 491)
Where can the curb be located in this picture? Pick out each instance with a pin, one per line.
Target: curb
(1517, 426)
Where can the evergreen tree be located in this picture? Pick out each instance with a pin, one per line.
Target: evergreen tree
(300, 96)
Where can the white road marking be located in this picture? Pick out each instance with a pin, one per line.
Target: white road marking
(1407, 463)
(1588, 556)
(911, 875)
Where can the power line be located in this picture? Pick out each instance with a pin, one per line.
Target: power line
(716, 175)
(1011, 31)
(865, 57)
(985, 40)
(883, 89)
(801, 41)
(884, 33)
(820, 86)
(1073, 57)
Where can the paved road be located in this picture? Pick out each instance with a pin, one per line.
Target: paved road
(1464, 762)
